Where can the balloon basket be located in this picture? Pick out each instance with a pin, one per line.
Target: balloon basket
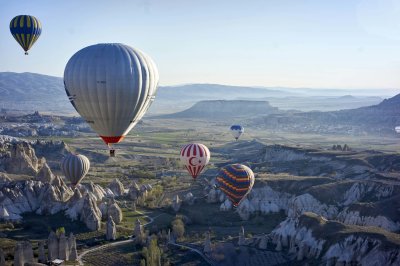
(26, 53)
(112, 152)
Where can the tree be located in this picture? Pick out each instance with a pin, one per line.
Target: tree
(152, 254)
(178, 228)
(59, 231)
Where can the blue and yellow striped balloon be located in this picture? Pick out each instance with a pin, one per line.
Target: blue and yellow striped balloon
(26, 30)
(236, 181)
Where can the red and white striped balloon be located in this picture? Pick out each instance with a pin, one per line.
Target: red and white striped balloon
(195, 157)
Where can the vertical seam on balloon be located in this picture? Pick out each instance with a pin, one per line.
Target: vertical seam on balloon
(82, 71)
(100, 71)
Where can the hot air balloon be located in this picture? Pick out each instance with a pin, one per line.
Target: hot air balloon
(26, 30)
(195, 157)
(75, 167)
(397, 129)
(111, 86)
(237, 131)
(236, 181)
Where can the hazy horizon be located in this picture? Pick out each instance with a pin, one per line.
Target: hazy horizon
(300, 44)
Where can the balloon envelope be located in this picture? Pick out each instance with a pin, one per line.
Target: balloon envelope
(26, 30)
(75, 167)
(236, 181)
(237, 131)
(195, 157)
(111, 86)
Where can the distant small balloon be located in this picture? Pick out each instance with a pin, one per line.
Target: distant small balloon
(397, 129)
(195, 157)
(75, 167)
(236, 181)
(26, 30)
(237, 131)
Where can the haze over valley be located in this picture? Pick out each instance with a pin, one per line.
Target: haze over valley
(193, 133)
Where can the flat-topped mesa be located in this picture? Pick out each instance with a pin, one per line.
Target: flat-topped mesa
(220, 109)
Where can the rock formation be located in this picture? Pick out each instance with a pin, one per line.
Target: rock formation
(23, 253)
(2, 258)
(63, 249)
(97, 191)
(176, 203)
(278, 244)
(117, 187)
(4, 215)
(244, 209)
(46, 193)
(207, 244)
(111, 231)
(134, 191)
(212, 196)
(242, 238)
(189, 198)
(90, 213)
(138, 232)
(28, 251)
(45, 175)
(42, 254)
(73, 254)
(52, 245)
(20, 158)
(4, 179)
(226, 205)
(263, 242)
(19, 255)
(351, 244)
(114, 211)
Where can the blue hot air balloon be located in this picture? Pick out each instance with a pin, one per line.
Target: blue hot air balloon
(237, 131)
(26, 30)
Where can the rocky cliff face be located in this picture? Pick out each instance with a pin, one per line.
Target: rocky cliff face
(348, 187)
(19, 158)
(313, 238)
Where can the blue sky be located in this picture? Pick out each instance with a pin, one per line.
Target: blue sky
(293, 43)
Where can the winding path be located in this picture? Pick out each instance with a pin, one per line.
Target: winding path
(194, 250)
(113, 244)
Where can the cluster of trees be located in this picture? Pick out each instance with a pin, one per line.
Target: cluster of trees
(152, 253)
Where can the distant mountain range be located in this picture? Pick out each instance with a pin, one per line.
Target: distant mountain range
(29, 91)
(378, 119)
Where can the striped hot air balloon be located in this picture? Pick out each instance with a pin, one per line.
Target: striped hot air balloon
(236, 181)
(26, 30)
(237, 131)
(75, 167)
(195, 157)
(111, 86)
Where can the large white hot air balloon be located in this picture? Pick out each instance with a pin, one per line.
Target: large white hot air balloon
(397, 129)
(195, 157)
(111, 86)
(75, 167)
